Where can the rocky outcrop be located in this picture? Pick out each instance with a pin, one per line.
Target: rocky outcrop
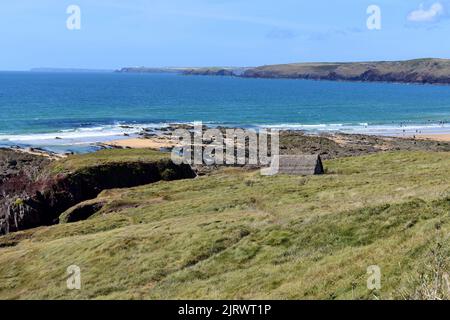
(28, 203)
(14, 163)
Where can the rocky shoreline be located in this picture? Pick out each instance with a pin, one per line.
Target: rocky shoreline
(328, 145)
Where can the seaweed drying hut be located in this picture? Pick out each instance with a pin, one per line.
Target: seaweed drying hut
(303, 165)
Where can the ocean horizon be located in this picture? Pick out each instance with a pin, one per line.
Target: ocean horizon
(73, 112)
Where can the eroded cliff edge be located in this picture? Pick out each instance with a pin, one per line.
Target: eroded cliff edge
(35, 191)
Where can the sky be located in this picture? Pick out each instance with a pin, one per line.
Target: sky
(155, 33)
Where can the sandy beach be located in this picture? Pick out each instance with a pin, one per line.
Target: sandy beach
(139, 143)
(435, 137)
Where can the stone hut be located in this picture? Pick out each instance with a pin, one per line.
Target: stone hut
(303, 165)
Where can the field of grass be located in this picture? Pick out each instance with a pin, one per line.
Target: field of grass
(236, 234)
(106, 156)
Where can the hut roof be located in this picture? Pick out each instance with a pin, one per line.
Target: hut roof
(305, 164)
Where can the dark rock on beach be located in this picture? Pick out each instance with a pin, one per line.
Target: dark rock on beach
(331, 146)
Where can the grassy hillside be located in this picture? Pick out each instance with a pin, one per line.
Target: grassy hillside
(236, 234)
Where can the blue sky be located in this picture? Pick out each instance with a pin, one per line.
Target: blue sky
(116, 33)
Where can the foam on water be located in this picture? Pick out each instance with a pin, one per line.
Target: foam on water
(369, 129)
(74, 140)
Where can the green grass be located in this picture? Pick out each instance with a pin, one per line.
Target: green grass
(236, 234)
(106, 156)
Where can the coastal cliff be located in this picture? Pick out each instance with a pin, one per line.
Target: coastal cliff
(30, 201)
(427, 71)
(423, 71)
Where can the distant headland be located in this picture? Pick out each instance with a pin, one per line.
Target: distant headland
(70, 70)
(424, 71)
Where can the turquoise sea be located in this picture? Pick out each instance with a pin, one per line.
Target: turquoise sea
(71, 111)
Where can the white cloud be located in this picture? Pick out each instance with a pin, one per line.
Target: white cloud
(427, 15)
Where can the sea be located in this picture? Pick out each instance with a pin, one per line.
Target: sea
(73, 112)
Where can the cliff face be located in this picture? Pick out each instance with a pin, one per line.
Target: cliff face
(27, 202)
(14, 163)
(427, 71)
